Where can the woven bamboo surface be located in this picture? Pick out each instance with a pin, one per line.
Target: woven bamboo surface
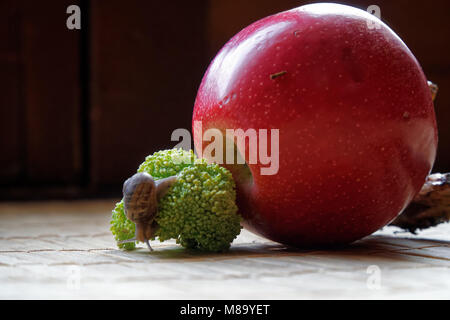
(64, 250)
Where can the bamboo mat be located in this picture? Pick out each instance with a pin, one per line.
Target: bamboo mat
(61, 250)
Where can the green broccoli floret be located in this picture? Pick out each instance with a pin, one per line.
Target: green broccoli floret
(121, 227)
(199, 211)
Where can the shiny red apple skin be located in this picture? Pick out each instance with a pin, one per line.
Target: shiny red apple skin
(357, 126)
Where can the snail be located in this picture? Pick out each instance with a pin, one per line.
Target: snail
(141, 194)
(433, 88)
(430, 207)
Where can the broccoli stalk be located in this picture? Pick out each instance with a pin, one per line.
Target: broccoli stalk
(199, 209)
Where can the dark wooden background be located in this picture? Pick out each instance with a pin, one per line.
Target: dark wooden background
(80, 109)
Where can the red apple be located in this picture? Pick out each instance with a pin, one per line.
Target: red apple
(357, 129)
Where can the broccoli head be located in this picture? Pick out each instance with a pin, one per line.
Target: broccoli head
(199, 210)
